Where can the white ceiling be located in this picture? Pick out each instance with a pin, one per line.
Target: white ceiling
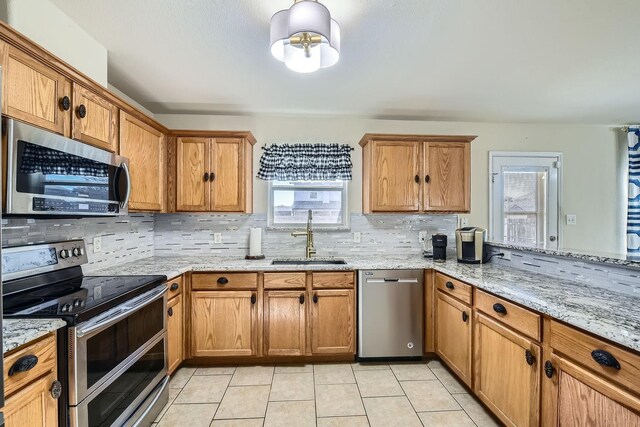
(487, 60)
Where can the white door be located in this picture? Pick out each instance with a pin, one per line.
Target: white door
(524, 198)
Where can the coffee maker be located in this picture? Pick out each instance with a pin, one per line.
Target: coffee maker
(439, 242)
(470, 245)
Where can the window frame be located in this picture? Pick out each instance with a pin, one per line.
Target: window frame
(346, 223)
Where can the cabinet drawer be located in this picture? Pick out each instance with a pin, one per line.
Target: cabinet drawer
(213, 281)
(285, 280)
(44, 350)
(455, 288)
(579, 346)
(522, 320)
(333, 279)
(175, 286)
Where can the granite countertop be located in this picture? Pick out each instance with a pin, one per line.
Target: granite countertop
(609, 314)
(17, 332)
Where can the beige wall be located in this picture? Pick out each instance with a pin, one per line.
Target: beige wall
(592, 178)
(44, 23)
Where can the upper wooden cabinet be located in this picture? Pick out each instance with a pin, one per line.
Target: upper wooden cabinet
(33, 92)
(214, 173)
(144, 146)
(416, 173)
(94, 119)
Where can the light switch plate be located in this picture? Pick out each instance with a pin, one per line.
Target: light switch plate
(464, 221)
(97, 244)
(572, 220)
(217, 237)
(422, 236)
(357, 236)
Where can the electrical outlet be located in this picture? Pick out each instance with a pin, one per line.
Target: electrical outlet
(217, 237)
(357, 236)
(464, 221)
(507, 255)
(422, 236)
(97, 244)
(572, 220)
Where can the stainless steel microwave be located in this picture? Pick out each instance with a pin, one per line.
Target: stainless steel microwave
(48, 174)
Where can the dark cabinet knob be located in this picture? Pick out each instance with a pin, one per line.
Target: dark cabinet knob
(499, 308)
(253, 298)
(605, 358)
(174, 287)
(529, 357)
(170, 311)
(56, 389)
(449, 285)
(212, 176)
(465, 316)
(417, 179)
(65, 103)
(301, 299)
(81, 111)
(549, 370)
(315, 298)
(223, 280)
(24, 364)
(206, 176)
(427, 179)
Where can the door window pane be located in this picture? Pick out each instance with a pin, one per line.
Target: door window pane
(525, 206)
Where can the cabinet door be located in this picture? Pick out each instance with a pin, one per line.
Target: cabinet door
(175, 332)
(447, 177)
(395, 176)
(453, 335)
(33, 405)
(95, 120)
(193, 163)
(582, 398)
(33, 93)
(284, 323)
(228, 173)
(145, 149)
(504, 379)
(223, 323)
(333, 321)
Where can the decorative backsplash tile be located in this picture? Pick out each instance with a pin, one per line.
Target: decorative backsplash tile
(124, 239)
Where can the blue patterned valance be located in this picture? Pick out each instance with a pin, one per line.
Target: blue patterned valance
(306, 162)
(633, 209)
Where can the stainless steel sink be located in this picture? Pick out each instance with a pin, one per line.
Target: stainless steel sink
(312, 261)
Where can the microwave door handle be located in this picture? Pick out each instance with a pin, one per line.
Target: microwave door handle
(125, 202)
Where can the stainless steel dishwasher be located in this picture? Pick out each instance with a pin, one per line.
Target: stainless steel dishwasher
(390, 314)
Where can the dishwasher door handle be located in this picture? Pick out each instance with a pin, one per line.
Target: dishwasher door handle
(394, 280)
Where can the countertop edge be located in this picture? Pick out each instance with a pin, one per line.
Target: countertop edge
(18, 332)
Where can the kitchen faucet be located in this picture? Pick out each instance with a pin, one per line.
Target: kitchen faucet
(309, 233)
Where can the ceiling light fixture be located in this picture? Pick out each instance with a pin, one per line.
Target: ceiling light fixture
(305, 37)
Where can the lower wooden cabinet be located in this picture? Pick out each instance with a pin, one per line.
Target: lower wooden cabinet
(333, 321)
(507, 373)
(175, 333)
(284, 323)
(454, 335)
(223, 323)
(33, 405)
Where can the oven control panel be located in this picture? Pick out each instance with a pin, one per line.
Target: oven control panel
(22, 261)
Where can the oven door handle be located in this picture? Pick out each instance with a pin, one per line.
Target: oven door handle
(152, 404)
(129, 308)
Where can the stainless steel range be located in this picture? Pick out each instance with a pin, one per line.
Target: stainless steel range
(112, 357)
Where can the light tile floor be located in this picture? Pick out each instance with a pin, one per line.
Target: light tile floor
(324, 395)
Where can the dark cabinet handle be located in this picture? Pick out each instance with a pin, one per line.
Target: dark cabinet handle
(174, 287)
(206, 176)
(24, 364)
(65, 103)
(499, 308)
(605, 358)
(56, 389)
(465, 316)
(223, 280)
(212, 176)
(529, 357)
(417, 179)
(549, 370)
(253, 298)
(427, 178)
(315, 298)
(301, 299)
(170, 311)
(81, 111)
(449, 285)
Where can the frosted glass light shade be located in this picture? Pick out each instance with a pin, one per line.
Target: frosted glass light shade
(305, 17)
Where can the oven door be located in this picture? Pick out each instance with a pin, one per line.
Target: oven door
(48, 174)
(102, 346)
